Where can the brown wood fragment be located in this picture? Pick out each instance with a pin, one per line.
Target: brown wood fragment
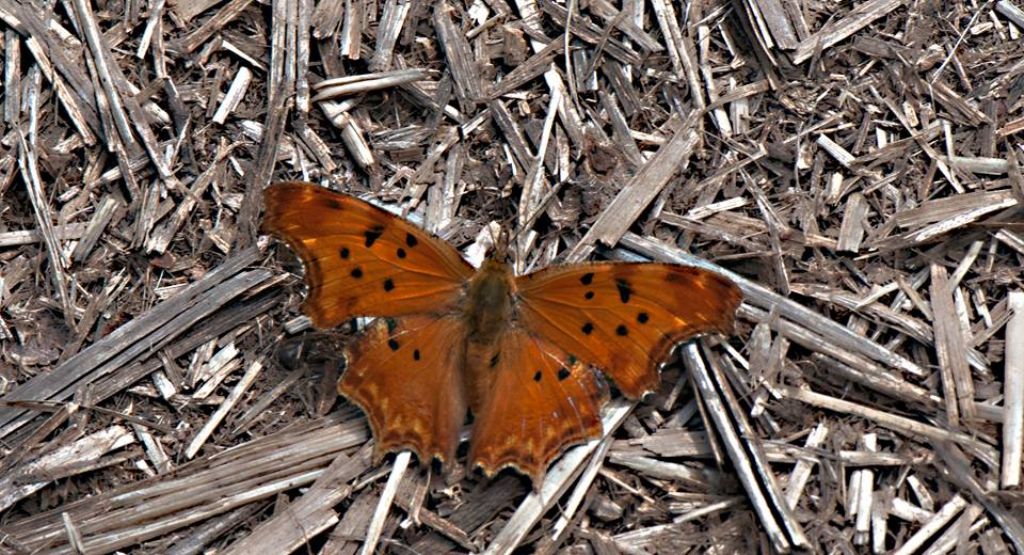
(196, 38)
(125, 343)
(352, 28)
(101, 61)
(639, 191)
(28, 162)
(460, 58)
(772, 15)
(205, 489)
(955, 102)
(746, 454)
(852, 231)
(621, 20)
(314, 509)
(234, 95)
(957, 384)
(840, 29)
(590, 33)
(12, 75)
(186, 10)
(391, 21)
(532, 68)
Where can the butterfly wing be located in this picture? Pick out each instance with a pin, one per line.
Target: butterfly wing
(541, 401)
(625, 318)
(361, 260)
(404, 374)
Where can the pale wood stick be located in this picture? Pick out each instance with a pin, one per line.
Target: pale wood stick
(1013, 395)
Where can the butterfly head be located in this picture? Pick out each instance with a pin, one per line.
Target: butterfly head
(500, 248)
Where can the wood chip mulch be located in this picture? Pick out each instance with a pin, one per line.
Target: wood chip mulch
(856, 167)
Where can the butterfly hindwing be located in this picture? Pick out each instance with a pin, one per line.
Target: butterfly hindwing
(361, 260)
(542, 400)
(405, 375)
(625, 318)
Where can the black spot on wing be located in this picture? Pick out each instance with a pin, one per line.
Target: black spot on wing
(344, 253)
(416, 354)
(373, 234)
(393, 344)
(356, 272)
(588, 295)
(537, 375)
(587, 278)
(494, 360)
(389, 284)
(643, 317)
(625, 290)
(400, 253)
(563, 373)
(622, 330)
(587, 328)
(333, 204)
(410, 240)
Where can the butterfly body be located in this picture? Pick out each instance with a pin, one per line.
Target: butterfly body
(487, 313)
(517, 352)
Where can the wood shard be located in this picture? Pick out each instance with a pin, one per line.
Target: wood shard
(842, 28)
(639, 191)
(852, 231)
(957, 385)
(1013, 395)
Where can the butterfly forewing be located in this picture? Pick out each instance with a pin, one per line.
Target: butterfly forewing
(361, 260)
(405, 375)
(625, 318)
(542, 401)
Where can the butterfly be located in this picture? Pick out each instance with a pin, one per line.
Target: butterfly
(518, 353)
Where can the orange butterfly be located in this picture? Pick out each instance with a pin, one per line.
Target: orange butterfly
(518, 352)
